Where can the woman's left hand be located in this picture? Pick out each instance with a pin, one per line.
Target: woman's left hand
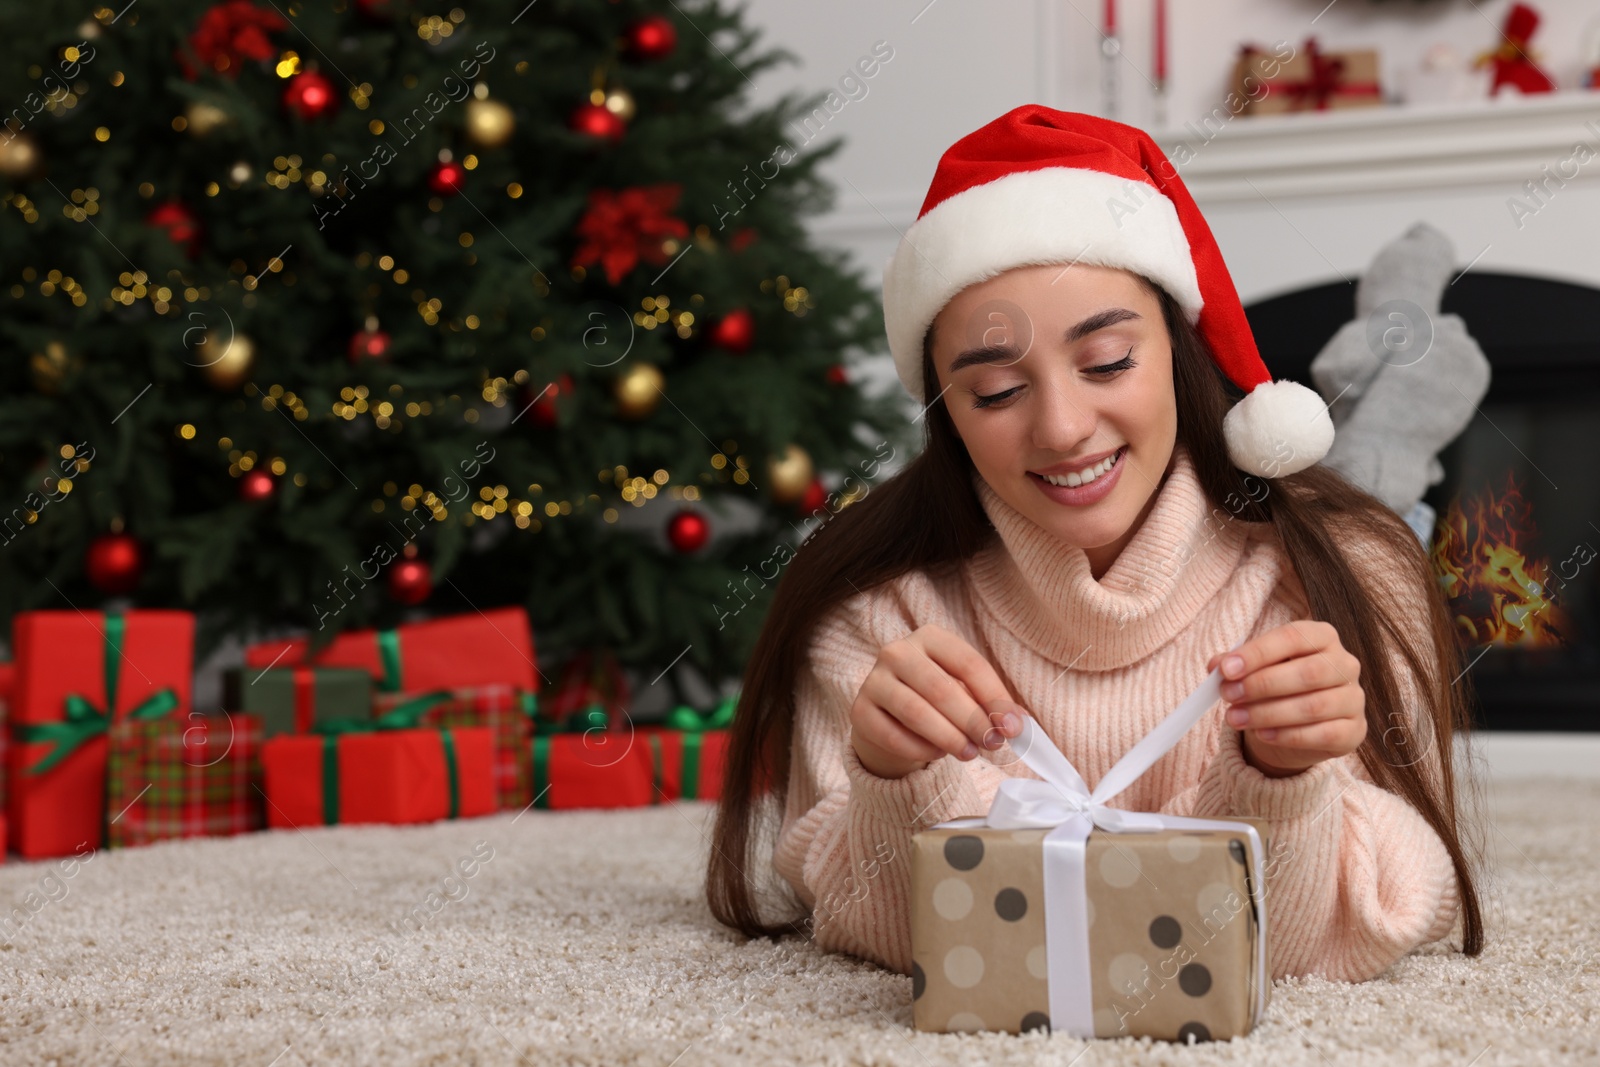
(1294, 695)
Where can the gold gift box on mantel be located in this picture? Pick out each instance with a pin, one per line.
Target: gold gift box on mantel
(1056, 912)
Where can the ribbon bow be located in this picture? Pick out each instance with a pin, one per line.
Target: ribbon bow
(82, 719)
(687, 720)
(1063, 802)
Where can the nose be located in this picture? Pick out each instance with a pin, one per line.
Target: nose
(1062, 419)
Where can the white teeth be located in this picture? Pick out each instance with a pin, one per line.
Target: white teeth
(1076, 478)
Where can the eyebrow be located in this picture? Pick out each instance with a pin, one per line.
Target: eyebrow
(1003, 352)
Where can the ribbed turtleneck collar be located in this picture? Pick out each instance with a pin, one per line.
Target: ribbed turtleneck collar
(1041, 590)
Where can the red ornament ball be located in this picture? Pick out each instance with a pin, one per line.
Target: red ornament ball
(814, 497)
(410, 581)
(651, 38)
(114, 563)
(311, 95)
(446, 177)
(735, 332)
(837, 375)
(256, 485)
(543, 410)
(182, 225)
(597, 121)
(379, 11)
(688, 530)
(369, 344)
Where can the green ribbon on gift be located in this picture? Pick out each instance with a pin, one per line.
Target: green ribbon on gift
(406, 716)
(691, 724)
(83, 720)
(544, 732)
(389, 655)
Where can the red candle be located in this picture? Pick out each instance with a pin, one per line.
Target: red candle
(1161, 40)
(1111, 17)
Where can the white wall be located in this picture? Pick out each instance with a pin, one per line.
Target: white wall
(959, 63)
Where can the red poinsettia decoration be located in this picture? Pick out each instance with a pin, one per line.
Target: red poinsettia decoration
(230, 33)
(621, 228)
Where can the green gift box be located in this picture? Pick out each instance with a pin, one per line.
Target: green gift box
(296, 700)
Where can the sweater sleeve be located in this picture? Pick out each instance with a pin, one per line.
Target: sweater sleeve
(1356, 877)
(844, 843)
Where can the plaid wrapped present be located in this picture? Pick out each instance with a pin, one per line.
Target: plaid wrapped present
(505, 709)
(196, 777)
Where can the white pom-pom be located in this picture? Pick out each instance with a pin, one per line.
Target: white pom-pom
(1277, 429)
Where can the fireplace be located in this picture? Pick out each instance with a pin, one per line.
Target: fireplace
(1517, 542)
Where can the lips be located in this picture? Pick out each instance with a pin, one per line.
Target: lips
(1084, 475)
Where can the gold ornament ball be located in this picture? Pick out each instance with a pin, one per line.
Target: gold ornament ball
(19, 156)
(790, 474)
(620, 103)
(225, 361)
(489, 123)
(204, 117)
(638, 391)
(49, 367)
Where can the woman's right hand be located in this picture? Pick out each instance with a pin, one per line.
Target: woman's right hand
(930, 694)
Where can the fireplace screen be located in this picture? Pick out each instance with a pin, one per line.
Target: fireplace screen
(1516, 542)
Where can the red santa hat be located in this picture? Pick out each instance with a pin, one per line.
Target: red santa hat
(1040, 186)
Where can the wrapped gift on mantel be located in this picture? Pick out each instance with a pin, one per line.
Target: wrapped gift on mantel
(474, 648)
(1310, 80)
(77, 675)
(1057, 912)
(294, 700)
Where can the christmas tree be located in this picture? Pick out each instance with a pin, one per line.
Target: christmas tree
(323, 315)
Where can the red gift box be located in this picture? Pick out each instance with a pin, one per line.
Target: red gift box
(378, 776)
(686, 766)
(195, 777)
(504, 709)
(477, 648)
(688, 750)
(77, 673)
(597, 768)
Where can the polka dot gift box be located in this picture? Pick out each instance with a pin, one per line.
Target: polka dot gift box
(1057, 912)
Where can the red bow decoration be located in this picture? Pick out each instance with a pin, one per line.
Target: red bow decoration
(230, 33)
(620, 228)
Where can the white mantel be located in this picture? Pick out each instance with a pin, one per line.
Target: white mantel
(1301, 199)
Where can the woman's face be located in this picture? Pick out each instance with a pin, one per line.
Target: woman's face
(1060, 375)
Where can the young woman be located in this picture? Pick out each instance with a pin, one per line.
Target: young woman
(1095, 522)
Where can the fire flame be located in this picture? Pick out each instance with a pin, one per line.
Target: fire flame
(1480, 556)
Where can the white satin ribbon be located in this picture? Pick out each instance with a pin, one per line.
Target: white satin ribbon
(1064, 802)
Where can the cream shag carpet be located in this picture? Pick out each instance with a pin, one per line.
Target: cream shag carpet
(583, 938)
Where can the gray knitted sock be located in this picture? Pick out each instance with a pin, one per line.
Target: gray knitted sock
(1410, 377)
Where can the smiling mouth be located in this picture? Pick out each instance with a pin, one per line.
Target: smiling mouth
(1084, 477)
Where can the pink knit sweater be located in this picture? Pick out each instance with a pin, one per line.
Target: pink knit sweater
(1356, 878)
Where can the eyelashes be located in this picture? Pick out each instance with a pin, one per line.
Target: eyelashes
(1125, 363)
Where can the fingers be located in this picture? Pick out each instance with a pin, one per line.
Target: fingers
(1302, 674)
(906, 708)
(961, 683)
(1337, 703)
(884, 732)
(1299, 638)
(1325, 739)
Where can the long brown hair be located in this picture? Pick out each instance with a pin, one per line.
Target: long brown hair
(884, 534)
